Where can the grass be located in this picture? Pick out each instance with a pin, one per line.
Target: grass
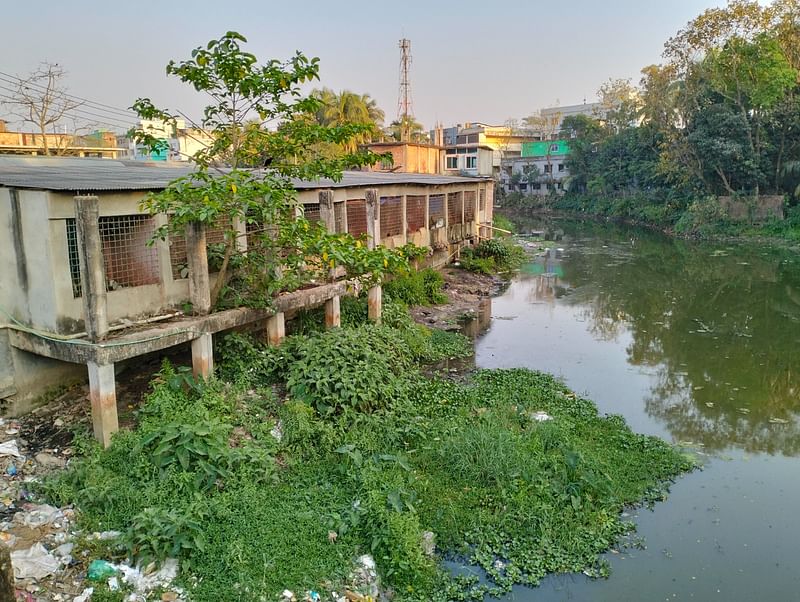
(250, 515)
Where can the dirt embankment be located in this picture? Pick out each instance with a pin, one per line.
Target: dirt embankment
(465, 291)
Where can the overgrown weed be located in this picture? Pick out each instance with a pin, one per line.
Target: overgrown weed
(246, 489)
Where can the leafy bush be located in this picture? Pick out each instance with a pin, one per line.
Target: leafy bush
(490, 256)
(359, 369)
(417, 288)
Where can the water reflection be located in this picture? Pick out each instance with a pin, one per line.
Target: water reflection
(717, 327)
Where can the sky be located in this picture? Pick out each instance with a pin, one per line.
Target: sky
(472, 61)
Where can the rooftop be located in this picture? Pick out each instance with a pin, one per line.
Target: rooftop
(95, 175)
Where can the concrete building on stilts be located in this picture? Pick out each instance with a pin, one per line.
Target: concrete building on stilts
(82, 294)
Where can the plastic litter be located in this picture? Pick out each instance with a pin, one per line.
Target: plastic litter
(100, 570)
(144, 583)
(9, 448)
(85, 595)
(34, 563)
(540, 416)
(104, 535)
(42, 515)
(11, 470)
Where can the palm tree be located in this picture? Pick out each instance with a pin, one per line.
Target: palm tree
(416, 131)
(349, 108)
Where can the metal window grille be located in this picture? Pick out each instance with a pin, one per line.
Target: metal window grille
(311, 212)
(339, 217)
(129, 260)
(74, 259)
(436, 211)
(177, 248)
(415, 213)
(357, 217)
(391, 215)
(482, 200)
(469, 206)
(455, 208)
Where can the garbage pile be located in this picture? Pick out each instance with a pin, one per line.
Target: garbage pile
(48, 560)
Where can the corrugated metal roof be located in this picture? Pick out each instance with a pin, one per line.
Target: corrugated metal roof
(97, 175)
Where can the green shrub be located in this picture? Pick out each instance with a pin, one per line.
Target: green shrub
(359, 369)
(417, 288)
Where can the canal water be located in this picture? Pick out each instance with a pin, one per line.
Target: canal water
(698, 343)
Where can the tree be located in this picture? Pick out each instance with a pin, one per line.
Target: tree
(42, 100)
(408, 128)
(620, 104)
(283, 251)
(346, 108)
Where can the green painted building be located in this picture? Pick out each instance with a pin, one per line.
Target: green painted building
(545, 148)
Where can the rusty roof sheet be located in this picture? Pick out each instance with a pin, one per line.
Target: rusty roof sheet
(83, 175)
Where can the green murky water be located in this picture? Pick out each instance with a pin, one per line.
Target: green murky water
(697, 343)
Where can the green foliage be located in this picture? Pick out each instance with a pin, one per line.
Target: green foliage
(502, 222)
(466, 462)
(357, 369)
(492, 256)
(247, 96)
(417, 288)
(720, 118)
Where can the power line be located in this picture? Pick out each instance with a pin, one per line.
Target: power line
(126, 120)
(13, 79)
(71, 113)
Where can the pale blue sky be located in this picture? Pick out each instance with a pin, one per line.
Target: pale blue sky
(473, 61)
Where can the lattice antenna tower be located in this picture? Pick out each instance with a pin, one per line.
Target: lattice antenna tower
(405, 109)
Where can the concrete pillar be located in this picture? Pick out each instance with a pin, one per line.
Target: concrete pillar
(276, 329)
(375, 303)
(404, 209)
(373, 218)
(333, 316)
(93, 271)
(326, 212)
(203, 356)
(103, 395)
(374, 295)
(197, 258)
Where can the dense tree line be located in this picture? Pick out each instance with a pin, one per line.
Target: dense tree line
(721, 116)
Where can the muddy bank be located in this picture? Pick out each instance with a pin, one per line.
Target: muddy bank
(465, 292)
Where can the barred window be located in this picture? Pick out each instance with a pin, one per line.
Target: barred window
(455, 208)
(357, 217)
(311, 212)
(339, 217)
(74, 259)
(469, 206)
(482, 200)
(391, 215)
(129, 260)
(436, 211)
(415, 213)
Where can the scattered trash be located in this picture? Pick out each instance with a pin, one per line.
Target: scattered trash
(428, 543)
(12, 470)
(100, 570)
(288, 596)
(104, 535)
(148, 580)
(34, 563)
(778, 421)
(540, 416)
(277, 431)
(39, 516)
(9, 448)
(85, 595)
